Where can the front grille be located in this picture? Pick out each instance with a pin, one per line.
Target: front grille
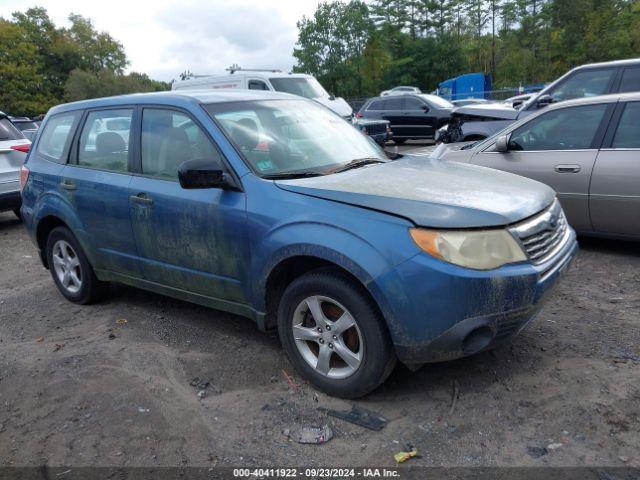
(541, 235)
(376, 128)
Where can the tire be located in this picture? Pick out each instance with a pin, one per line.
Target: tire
(82, 285)
(17, 213)
(365, 344)
(399, 141)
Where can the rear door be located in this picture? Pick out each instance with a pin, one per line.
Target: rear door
(393, 111)
(614, 198)
(630, 80)
(96, 182)
(191, 240)
(557, 148)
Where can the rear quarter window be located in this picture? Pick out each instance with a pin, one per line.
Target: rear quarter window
(56, 136)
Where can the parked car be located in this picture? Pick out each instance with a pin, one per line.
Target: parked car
(481, 121)
(410, 116)
(586, 149)
(400, 91)
(13, 150)
(262, 204)
(27, 126)
(379, 130)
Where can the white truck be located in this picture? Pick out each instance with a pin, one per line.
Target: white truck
(295, 83)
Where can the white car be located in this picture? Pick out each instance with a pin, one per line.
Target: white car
(13, 150)
(400, 91)
(299, 84)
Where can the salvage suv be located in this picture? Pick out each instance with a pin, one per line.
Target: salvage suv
(272, 207)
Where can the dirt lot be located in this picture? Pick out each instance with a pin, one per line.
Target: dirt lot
(78, 387)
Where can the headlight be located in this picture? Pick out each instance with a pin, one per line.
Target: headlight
(479, 249)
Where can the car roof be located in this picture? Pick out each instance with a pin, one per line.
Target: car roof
(611, 98)
(177, 98)
(614, 63)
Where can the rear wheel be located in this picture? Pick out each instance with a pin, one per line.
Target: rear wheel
(334, 335)
(70, 269)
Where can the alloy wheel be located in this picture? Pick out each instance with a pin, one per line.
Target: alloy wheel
(66, 265)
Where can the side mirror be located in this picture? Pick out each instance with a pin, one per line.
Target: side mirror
(425, 108)
(544, 100)
(517, 103)
(202, 173)
(502, 144)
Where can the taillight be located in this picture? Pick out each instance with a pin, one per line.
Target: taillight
(24, 176)
(359, 115)
(24, 148)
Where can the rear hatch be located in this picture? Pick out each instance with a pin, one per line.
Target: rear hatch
(10, 159)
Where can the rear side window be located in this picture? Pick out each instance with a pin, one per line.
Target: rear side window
(393, 104)
(628, 132)
(376, 105)
(105, 139)
(562, 129)
(8, 131)
(630, 80)
(56, 136)
(170, 138)
(587, 83)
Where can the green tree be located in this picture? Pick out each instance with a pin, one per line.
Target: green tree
(83, 85)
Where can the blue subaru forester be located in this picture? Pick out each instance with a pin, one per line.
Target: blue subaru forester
(272, 207)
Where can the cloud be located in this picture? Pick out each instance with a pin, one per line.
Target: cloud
(166, 37)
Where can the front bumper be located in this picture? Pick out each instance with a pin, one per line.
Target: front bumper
(443, 312)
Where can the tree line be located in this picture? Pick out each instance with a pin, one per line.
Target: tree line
(42, 65)
(359, 48)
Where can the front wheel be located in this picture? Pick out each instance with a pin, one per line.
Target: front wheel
(70, 268)
(334, 335)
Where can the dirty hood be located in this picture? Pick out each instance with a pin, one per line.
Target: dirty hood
(337, 104)
(492, 110)
(432, 193)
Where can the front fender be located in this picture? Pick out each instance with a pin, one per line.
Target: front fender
(355, 254)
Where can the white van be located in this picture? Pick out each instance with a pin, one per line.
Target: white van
(295, 83)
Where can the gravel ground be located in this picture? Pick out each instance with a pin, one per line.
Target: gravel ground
(109, 384)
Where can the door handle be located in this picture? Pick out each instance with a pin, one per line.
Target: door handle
(567, 168)
(142, 199)
(68, 185)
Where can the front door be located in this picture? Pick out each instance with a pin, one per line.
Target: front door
(191, 240)
(615, 184)
(419, 118)
(558, 148)
(96, 183)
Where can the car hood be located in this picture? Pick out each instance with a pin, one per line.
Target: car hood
(432, 193)
(491, 110)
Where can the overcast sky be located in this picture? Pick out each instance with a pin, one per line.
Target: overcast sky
(165, 37)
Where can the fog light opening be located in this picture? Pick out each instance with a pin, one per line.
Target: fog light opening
(476, 340)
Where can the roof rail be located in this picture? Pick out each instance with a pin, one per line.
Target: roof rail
(237, 68)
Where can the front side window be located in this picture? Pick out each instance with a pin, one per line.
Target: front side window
(170, 138)
(292, 136)
(56, 135)
(628, 132)
(411, 103)
(561, 129)
(301, 86)
(630, 80)
(588, 83)
(105, 139)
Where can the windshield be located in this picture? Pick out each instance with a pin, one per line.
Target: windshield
(436, 101)
(301, 86)
(278, 137)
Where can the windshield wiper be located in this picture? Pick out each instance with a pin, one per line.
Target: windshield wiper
(286, 175)
(357, 163)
